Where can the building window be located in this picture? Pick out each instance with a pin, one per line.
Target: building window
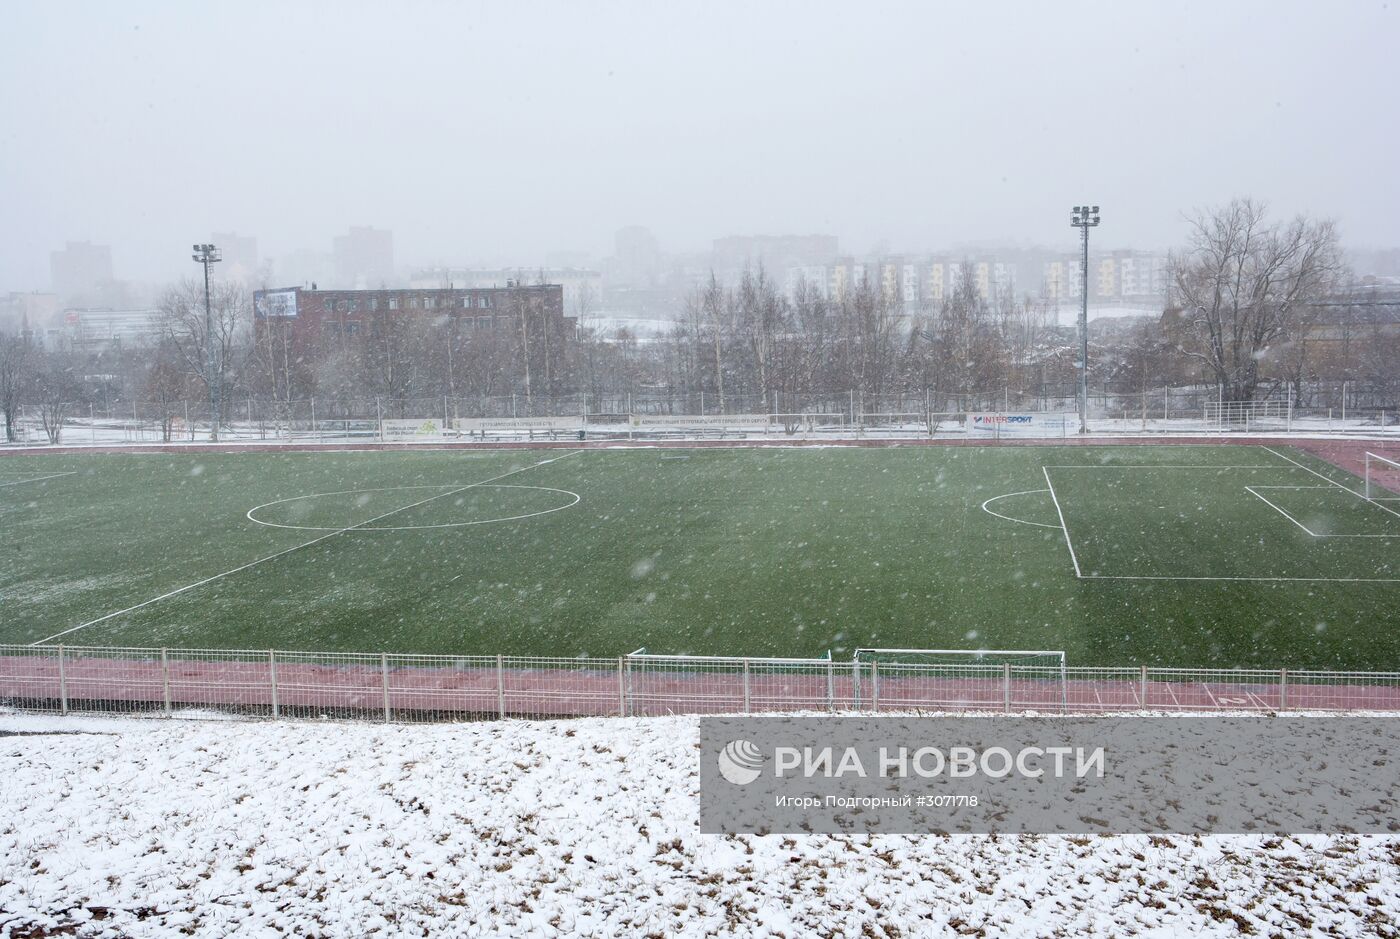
(466, 301)
(430, 303)
(373, 304)
(342, 306)
(414, 303)
(393, 303)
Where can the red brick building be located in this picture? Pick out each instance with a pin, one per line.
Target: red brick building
(478, 308)
(527, 318)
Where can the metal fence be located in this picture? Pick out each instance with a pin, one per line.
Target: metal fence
(427, 688)
(1319, 407)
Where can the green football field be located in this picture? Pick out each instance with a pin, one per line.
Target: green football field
(1165, 555)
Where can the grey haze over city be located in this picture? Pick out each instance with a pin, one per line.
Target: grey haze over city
(528, 134)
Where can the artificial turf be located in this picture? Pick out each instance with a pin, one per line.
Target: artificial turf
(716, 551)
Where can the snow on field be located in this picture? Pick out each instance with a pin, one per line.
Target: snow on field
(116, 827)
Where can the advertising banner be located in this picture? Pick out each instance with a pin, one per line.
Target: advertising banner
(275, 303)
(994, 423)
(468, 425)
(698, 420)
(410, 428)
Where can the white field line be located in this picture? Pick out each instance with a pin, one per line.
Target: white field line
(347, 492)
(1300, 524)
(1306, 580)
(1195, 466)
(1063, 527)
(1253, 492)
(307, 544)
(1359, 495)
(38, 479)
(1019, 521)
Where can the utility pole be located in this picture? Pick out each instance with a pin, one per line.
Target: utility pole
(1085, 218)
(206, 255)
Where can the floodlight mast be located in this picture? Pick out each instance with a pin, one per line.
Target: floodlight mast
(1085, 218)
(206, 255)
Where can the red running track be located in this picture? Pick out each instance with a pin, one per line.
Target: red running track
(601, 688)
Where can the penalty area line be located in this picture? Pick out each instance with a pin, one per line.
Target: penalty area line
(1063, 527)
(1252, 491)
(286, 551)
(1359, 495)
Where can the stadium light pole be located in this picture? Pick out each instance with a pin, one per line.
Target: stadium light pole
(1085, 218)
(206, 255)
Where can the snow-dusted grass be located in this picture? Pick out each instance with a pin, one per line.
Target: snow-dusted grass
(143, 828)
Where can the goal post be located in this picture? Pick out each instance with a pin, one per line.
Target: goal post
(1043, 658)
(1047, 664)
(1382, 478)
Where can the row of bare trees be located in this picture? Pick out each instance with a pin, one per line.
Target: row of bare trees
(1248, 297)
(756, 343)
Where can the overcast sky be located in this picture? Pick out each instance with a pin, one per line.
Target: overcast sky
(494, 133)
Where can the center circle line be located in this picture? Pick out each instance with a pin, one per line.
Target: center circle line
(346, 492)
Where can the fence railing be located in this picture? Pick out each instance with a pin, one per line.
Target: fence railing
(426, 688)
(1330, 406)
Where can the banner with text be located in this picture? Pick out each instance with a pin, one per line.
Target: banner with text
(680, 421)
(413, 428)
(997, 424)
(517, 425)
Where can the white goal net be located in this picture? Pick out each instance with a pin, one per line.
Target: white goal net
(1036, 675)
(1042, 658)
(1382, 478)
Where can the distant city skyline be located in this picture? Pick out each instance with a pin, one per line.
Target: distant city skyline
(145, 125)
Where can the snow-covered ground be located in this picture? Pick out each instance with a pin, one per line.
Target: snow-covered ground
(113, 827)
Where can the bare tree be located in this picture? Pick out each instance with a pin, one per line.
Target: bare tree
(166, 385)
(16, 375)
(712, 302)
(58, 387)
(183, 327)
(277, 364)
(1244, 284)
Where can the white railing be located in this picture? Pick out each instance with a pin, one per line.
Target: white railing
(424, 688)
